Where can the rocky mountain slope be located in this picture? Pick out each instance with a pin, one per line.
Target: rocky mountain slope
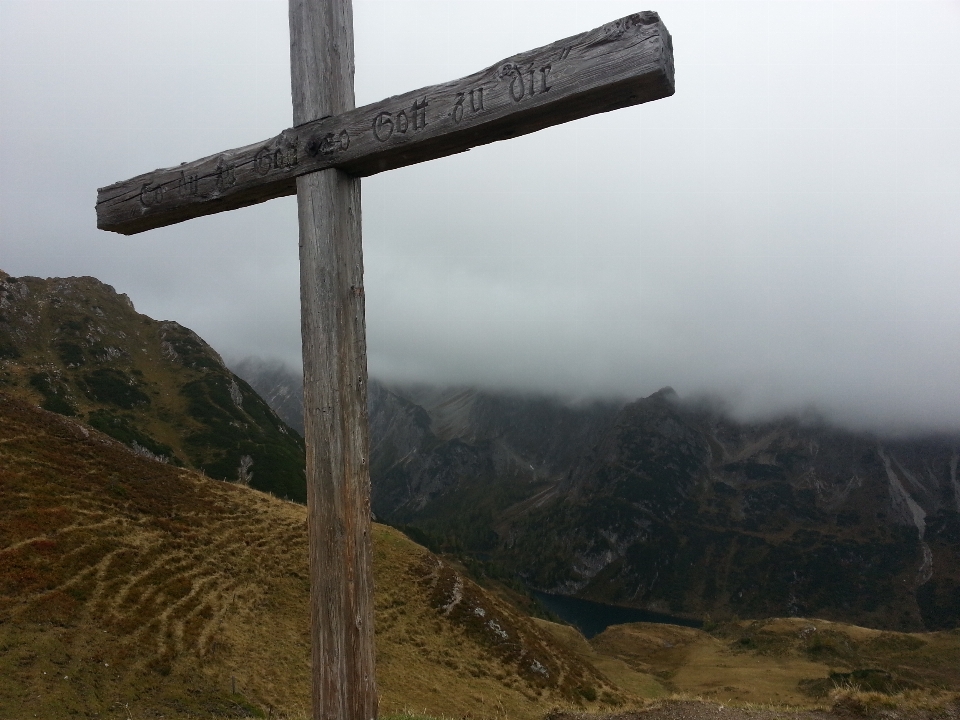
(457, 463)
(132, 588)
(276, 383)
(675, 507)
(76, 347)
(684, 510)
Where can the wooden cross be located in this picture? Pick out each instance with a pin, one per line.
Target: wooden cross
(333, 144)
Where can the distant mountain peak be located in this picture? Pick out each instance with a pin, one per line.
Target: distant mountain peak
(666, 393)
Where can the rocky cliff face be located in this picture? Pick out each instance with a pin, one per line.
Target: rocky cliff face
(683, 510)
(675, 507)
(458, 463)
(279, 385)
(77, 347)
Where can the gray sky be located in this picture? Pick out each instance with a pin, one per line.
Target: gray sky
(782, 232)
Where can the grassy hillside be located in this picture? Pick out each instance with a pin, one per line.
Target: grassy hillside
(131, 588)
(76, 347)
(792, 661)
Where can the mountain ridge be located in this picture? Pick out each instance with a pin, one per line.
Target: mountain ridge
(759, 520)
(77, 347)
(597, 501)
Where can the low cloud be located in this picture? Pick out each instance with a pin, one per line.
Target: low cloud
(782, 232)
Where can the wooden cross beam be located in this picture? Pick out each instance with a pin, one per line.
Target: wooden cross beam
(623, 63)
(331, 145)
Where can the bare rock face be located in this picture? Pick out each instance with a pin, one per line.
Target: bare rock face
(278, 384)
(675, 507)
(684, 510)
(466, 452)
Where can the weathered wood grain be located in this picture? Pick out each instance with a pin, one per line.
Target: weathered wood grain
(334, 379)
(625, 62)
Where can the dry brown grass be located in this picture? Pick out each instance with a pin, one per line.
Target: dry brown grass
(132, 589)
(785, 661)
(128, 587)
(851, 700)
(640, 683)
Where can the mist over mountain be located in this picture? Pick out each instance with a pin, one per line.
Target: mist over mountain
(782, 231)
(281, 384)
(656, 503)
(276, 383)
(669, 505)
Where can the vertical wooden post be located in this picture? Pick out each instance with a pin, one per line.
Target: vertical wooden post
(335, 378)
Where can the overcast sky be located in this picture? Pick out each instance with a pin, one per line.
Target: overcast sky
(782, 232)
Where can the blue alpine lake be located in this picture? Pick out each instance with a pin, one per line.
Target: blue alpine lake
(592, 618)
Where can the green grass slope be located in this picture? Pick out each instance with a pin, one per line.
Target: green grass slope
(76, 347)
